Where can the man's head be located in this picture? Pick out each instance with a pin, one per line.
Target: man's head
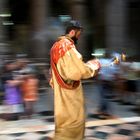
(73, 30)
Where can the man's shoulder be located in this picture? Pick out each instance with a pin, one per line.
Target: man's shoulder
(64, 40)
(61, 47)
(63, 43)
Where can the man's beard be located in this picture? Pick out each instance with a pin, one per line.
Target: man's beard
(75, 40)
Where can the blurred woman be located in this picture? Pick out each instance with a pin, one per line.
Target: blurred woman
(12, 93)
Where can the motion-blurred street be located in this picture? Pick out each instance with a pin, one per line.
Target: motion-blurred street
(125, 126)
(110, 33)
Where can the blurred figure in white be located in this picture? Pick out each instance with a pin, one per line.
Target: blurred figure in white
(106, 79)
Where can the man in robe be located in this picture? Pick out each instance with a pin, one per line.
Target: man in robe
(68, 70)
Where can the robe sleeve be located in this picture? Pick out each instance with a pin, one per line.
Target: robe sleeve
(71, 66)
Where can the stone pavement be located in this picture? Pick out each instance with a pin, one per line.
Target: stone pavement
(125, 127)
(39, 127)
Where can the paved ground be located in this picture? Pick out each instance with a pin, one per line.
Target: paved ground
(125, 127)
(39, 129)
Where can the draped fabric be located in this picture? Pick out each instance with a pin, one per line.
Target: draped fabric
(68, 103)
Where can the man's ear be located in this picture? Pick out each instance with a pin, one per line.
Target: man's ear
(72, 32)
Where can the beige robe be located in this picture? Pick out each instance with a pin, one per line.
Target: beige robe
(69, 104)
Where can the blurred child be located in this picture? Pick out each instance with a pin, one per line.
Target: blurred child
(30, 91)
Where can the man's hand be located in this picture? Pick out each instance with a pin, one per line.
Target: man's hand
(95, 64)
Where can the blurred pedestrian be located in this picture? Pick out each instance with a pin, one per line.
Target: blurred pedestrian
(132, 78)
(106, 83)
(30, 92)
(67, 71)
(12, 93)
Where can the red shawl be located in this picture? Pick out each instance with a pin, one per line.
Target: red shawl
(55, 55)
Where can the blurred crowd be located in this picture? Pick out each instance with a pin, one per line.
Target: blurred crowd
(118, 81)
(19, 88)
(21, 81)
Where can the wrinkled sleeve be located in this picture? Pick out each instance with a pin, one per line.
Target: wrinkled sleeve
(71, 66)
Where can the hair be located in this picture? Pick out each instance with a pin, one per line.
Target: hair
(73, 25)
(69, 28)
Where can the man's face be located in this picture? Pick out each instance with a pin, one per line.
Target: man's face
(76, 36)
